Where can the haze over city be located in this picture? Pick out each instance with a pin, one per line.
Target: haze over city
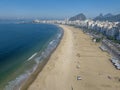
(56, 8)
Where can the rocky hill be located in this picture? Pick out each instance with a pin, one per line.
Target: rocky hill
(108, 17)
(80, 16)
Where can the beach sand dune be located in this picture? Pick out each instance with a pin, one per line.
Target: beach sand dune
(77, 64)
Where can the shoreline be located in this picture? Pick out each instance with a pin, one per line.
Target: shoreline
(37, 60)
(32, 77)
(77, 63)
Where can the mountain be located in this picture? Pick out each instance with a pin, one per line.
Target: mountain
(80, 16)
(108, 17)
(100, 17)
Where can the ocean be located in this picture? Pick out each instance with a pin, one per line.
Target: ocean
(22, 48)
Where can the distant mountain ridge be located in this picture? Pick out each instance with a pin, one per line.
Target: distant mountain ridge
(80, 16)
(108, 17)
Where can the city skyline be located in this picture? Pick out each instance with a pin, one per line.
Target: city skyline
(56, 9)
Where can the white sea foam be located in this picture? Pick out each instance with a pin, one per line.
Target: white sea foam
(15, 83)
(32, 56)
(51, 42)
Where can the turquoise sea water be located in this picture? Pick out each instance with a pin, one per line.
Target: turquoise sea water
(19, 44)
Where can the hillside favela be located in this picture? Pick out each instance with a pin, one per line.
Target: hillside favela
(60, 45)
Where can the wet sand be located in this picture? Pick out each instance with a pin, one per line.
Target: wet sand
(76, 56)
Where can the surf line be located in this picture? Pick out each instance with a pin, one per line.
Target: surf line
(32, 56)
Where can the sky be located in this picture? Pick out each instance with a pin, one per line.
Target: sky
(56, 8)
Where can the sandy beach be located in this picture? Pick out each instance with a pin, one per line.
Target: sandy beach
(77, 56)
